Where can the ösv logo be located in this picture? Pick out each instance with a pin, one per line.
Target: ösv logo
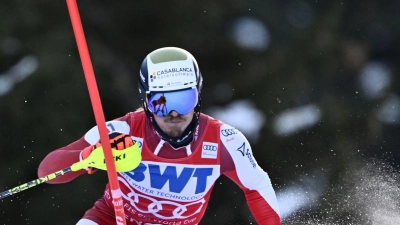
(152, 175)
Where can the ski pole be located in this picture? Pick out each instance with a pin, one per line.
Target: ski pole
(125, 160)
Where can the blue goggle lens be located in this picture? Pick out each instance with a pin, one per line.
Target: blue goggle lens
(162, 103)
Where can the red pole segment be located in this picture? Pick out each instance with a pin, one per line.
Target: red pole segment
(97, 109)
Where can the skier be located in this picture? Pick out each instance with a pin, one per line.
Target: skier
(183, 152)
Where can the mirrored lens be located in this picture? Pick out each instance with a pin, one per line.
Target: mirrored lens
(162, 103)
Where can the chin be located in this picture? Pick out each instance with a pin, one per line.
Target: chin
(174, 134)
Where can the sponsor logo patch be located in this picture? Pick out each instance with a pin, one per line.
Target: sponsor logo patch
(245, 151)
(173, 70)
(228, 132)
(209, 150)
(167, 190)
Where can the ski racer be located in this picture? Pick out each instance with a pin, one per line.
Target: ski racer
(183, 152)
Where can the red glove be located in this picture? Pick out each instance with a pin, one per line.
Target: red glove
(118, 141)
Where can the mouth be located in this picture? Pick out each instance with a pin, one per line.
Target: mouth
(171, 119)
(174, 121)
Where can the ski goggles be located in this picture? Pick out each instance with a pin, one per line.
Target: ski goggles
(162, 103)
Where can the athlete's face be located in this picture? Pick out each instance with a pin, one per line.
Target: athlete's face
(174, 123)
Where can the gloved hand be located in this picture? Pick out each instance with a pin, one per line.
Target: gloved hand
(118, 141)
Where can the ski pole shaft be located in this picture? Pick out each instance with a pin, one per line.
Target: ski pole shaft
(33, 183)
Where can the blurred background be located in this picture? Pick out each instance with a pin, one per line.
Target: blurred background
(312, 84)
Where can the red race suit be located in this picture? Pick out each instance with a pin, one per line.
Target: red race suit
(173, 186)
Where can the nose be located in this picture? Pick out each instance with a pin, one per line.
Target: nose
(174, 113)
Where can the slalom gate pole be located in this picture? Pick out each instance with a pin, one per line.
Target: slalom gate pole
(97, 109)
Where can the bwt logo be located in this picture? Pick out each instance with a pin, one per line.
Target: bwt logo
(210, 147)
(177, 182)
(228, 132)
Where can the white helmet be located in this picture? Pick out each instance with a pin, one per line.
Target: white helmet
(168, 69)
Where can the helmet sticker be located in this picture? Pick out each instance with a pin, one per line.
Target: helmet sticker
(171, 74)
